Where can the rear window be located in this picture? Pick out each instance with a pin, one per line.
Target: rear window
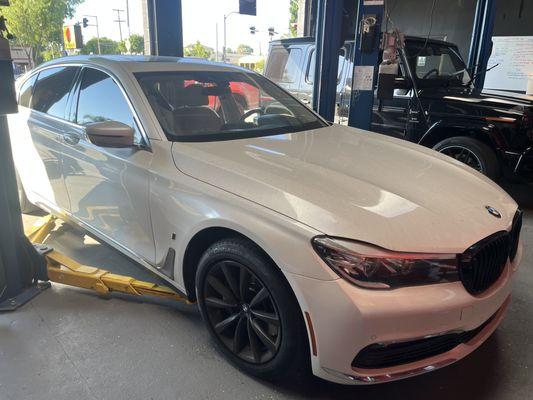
(284, 64)
(52, 89)
(312, 64)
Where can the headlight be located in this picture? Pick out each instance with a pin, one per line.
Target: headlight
(376, 268)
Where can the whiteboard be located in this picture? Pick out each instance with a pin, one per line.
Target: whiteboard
(515, 56)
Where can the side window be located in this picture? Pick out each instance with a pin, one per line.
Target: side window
(312, 62)
(52, 89)
(26, 91)
(284, 64)
(101, 100)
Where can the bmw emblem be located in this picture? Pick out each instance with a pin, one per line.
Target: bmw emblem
(492, 211)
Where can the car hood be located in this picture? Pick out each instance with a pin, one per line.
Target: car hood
(350, 183)
(485, 103)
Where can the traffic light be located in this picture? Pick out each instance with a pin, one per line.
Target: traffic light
(85, 22)
(253, 30)
(271, 31)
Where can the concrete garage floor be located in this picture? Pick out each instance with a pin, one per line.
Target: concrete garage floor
(70, 344)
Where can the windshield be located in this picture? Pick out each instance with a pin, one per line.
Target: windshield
(220, 105)
(437, 64)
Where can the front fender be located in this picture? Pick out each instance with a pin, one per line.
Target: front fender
(441, 130)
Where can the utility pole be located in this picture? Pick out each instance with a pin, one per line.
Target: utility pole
(128, 17)
(85, 25)
(119, 21)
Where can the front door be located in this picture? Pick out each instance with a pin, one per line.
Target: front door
(390, 116)
(108, 187)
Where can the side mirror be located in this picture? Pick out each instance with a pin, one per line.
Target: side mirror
(110, 134)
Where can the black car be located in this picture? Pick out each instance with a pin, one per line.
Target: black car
(490, 131)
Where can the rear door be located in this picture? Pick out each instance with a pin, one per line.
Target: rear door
(108, 187)
(38, 134)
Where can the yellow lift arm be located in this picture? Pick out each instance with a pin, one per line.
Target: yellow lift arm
(63, 269)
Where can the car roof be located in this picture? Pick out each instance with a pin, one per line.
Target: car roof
(133, 63)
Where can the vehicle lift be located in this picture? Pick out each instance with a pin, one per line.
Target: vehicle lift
(63, 269)
(27, 264)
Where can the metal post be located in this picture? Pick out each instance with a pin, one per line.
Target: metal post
(216, 47)
(224, 47)
(481, 45)
(97, 31)
(98, 35)
(327, 45)
(165, 27)
(19, 261)
(365, 61)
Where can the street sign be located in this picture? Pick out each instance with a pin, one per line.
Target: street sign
(248, 7)
(72, 37)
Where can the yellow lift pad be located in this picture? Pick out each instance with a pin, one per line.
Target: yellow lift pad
(63, 269)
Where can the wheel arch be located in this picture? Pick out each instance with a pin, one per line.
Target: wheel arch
(473, 129)
(199, 243)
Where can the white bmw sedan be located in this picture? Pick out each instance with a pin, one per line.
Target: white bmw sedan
(306, 245)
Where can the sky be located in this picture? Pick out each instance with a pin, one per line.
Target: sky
(200, 18)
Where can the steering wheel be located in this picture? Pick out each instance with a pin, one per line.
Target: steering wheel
(253, 111)
(430, 72)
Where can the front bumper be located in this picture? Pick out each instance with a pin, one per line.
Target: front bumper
(345, 319)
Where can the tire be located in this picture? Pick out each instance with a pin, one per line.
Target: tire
(471, 151)
(287, 354)
(25, 206)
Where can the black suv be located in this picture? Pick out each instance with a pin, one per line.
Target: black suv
(490, 131)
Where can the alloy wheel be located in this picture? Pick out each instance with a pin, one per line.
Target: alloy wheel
(242, 312)
(464, 155)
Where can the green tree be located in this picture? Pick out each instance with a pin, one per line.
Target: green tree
(244, 49)
(259, 66)
(107, 46)
(136, 44)
(38, 24)
(198, 50)
(121, 47)
(293, 10)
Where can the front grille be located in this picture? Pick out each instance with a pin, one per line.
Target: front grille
(382, 356)
(482, 264)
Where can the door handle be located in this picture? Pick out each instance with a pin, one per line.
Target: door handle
(71, 138)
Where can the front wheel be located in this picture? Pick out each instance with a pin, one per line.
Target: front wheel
(250, 310)
(473, 153)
